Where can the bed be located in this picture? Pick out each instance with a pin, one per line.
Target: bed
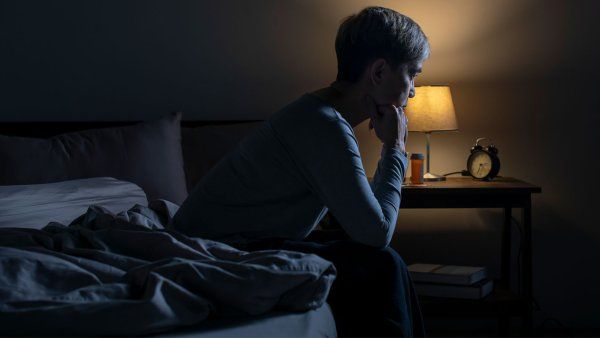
(54, 171)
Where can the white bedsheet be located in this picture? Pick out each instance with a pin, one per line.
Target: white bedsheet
(35, 205)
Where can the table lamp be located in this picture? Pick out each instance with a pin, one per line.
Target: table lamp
(431, 109)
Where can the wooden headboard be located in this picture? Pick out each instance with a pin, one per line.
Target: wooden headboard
(48, 129)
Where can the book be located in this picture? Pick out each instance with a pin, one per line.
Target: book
(446, 274)
(475, 291)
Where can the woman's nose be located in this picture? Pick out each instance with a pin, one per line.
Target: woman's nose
(411, 92)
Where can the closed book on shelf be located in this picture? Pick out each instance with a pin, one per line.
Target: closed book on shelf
(446, 274)
(475, 291)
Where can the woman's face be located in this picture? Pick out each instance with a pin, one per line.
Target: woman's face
(398, 85)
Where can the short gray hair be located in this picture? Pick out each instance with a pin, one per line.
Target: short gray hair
(377, 32)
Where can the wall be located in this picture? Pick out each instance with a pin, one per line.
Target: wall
(522, 73)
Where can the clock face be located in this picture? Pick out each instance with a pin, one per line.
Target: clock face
(480, 164)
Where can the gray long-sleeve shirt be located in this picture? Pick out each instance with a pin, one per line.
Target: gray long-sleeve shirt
(283, 178)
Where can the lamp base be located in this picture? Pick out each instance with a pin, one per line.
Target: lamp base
(429, 177)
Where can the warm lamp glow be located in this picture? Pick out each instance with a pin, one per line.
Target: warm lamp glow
(431, 110)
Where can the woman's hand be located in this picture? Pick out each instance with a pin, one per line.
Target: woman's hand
(390, 123)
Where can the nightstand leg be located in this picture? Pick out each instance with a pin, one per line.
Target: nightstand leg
(506, 249)
(527, 267)
(505, 262)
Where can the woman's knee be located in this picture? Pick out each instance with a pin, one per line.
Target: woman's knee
(387, 258)
(391, 260)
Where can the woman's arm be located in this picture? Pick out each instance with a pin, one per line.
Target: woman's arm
(328, 156)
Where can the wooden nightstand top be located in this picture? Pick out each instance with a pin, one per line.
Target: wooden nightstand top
(468, 184)
(466, 192)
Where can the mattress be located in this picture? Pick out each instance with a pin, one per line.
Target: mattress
(35, 205)
(314, 323)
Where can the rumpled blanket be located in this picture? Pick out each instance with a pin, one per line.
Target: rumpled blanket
(130, 274)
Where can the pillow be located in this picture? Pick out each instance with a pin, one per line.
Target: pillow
(204, 146)
(147, 154)
(34, 206)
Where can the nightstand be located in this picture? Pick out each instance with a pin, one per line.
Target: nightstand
(502, 192)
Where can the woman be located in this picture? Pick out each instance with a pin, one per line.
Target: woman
(280, 181)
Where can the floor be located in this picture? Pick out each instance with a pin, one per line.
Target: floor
(476, 327)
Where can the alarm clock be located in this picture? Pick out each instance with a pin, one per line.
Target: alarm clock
(483, 162)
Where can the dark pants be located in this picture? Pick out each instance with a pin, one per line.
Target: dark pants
(372, 295)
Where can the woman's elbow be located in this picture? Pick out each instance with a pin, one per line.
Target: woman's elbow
(380, 241)
(378, 236)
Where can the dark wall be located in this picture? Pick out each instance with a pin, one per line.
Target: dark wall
(139, 59)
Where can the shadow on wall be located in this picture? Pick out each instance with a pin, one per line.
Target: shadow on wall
(565, 275)
(211, 59)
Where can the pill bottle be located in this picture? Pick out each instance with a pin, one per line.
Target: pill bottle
(416, 168)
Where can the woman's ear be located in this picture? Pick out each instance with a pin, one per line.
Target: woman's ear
(376, 71)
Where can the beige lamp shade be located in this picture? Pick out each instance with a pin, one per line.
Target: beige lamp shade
(431, 110)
